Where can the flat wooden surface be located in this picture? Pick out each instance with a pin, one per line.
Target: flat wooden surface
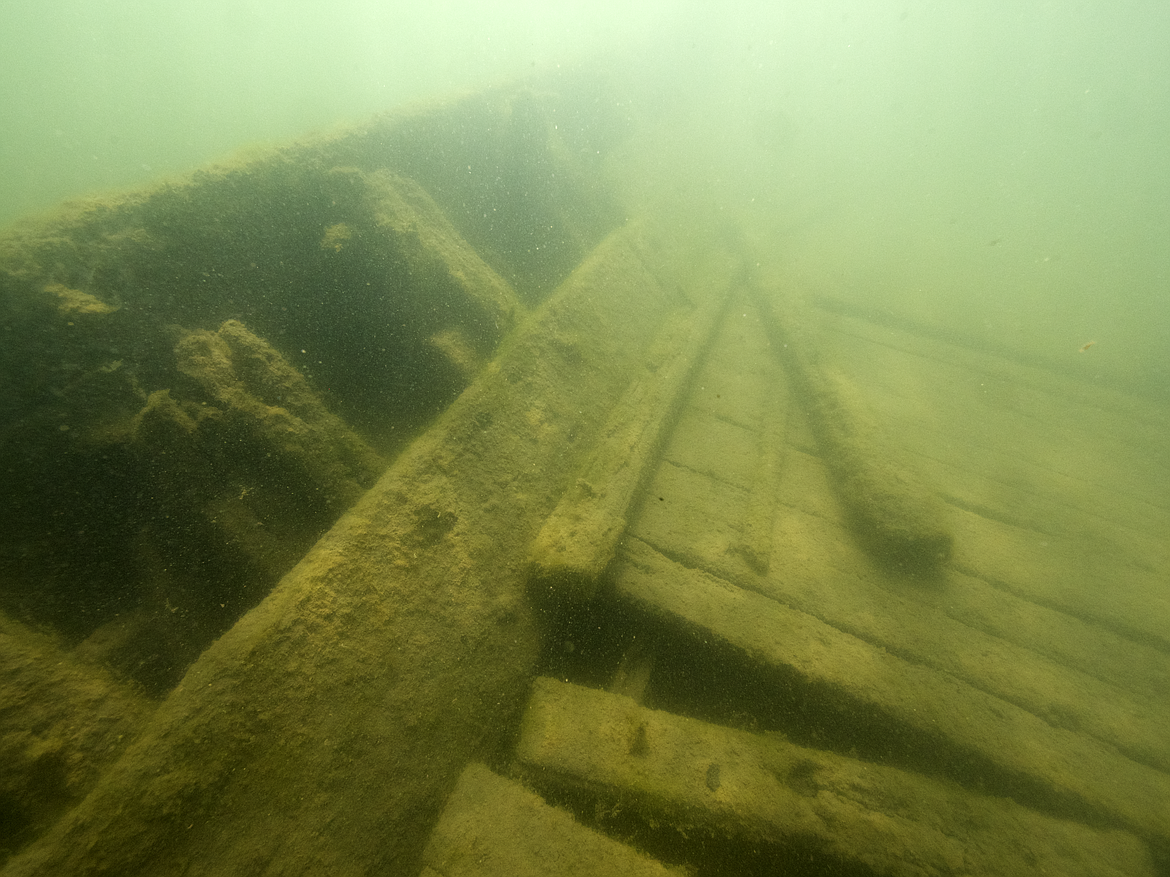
(1042, 649)
(762, 788)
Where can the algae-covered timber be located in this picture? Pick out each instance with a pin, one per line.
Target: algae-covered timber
(200, 376)
(892, 512)
(323, 730)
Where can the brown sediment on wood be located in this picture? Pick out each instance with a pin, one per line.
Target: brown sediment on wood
(898, 519)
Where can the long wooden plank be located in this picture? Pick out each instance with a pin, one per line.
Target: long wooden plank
(737, 374)
(1059, 488)
(1018, 534)
(1089, 648)
(1064, 574)
(734, 427)
(1059, 442)
(579, 538)
(1066, 405)
(819, 572)
(968, 597)
(1072, 768)
(990, 590)
(817, 569)
(1073, 479)
(1002, 573)
(1046, 662)
(318, 734)
(1133, 536)
(763, 788)
(716, 448)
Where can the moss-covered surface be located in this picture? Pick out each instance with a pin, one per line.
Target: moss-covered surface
(198, 377)
(891, 510)
(63, 720)
(824, 811)
(581, 536)
(323, 731)
(493, 825)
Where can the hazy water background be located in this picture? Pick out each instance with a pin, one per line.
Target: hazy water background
(997, 168)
